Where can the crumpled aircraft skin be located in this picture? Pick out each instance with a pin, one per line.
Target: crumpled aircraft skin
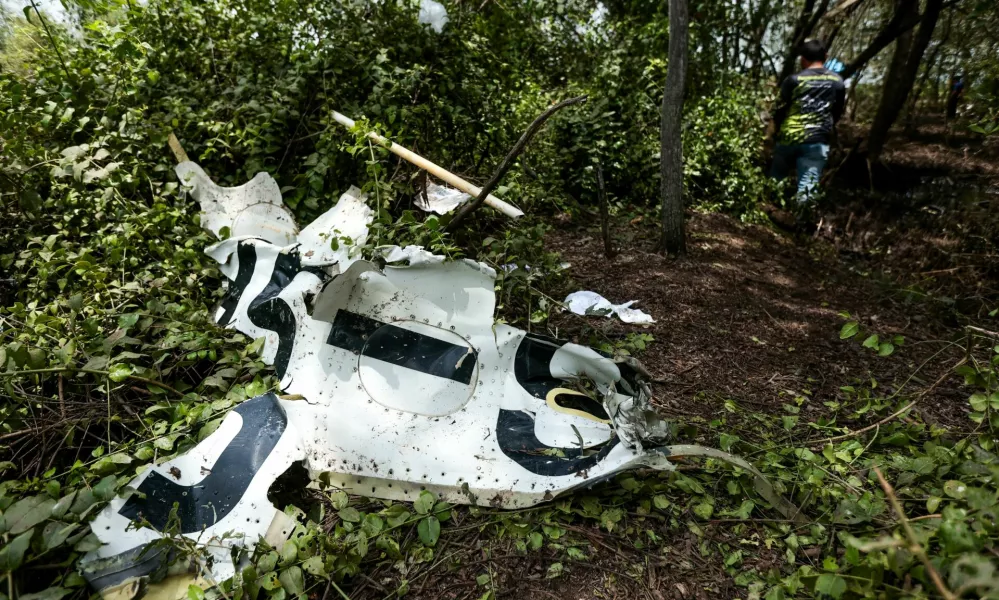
(405, 383)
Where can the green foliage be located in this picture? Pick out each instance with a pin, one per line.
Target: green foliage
(883, 345)
(110, 361)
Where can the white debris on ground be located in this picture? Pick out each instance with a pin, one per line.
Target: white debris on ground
(434, 14)
(593, 304)
(441, 199)
(414, 255)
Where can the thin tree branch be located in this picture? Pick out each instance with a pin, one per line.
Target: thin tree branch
(900, 22)
(504, 166)
(52, 40)
(90, 372)
(895, 414)
(914, 546)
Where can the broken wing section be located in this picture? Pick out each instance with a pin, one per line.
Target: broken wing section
(215, 495)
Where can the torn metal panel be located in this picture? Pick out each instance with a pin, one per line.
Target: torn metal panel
(254, 209)
(219, 489)
(337, 236)
(408, 385)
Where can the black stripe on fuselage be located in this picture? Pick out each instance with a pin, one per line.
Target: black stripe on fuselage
(206, 503)
(401, 347)
(247, 256)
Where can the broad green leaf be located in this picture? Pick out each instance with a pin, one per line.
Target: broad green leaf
(119, 372)
(849, 330)
(610, 517)
(292, 580)
(554, 570)
(704, 510)
(36, 358)
(105, 489)
(289, 553)
(775, 593)
(340, 499)
(372, 525)
(195, 593)
(270, 581)
(726, 441)
(268, 562)
(12, 553)
(62, 506)
(955, 489)
(55, 533)
(26, 513)
(979, 402)
(314, 566)
(830, 586)
(536, 540)
(88, 544)
(424, 503)
(429, 530)
(350, 514)
(52, 593)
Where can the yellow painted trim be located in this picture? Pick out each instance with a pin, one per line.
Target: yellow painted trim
(550, 401)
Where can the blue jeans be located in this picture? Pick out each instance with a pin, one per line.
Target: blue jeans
(808, 159)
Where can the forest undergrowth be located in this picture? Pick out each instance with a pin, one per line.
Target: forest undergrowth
(870, 401)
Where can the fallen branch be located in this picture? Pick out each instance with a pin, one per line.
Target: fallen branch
(761, 484)
(895, 414)
(90, 372)
(434, 169)
(177, 149)
(504, 166)
(981, 331)
(915, 547)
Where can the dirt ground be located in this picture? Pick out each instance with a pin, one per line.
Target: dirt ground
(752, 316)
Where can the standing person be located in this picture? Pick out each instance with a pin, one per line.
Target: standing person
(810, 104)
(954, 97)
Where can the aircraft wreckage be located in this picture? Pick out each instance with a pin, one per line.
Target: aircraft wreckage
(403, 383)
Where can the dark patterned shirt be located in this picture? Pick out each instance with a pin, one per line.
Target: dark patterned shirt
(810, 104)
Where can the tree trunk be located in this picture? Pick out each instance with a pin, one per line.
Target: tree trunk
(797, 35)
(807, 21)
(892, 103)
(758, 30)
(604, 213)
(931, 63)
(893, 79)
(674, 240)
(901, 21)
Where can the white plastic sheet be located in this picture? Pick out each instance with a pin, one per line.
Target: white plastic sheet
(434, 14)
(441, 199)
(593, 304)
(413, 255)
